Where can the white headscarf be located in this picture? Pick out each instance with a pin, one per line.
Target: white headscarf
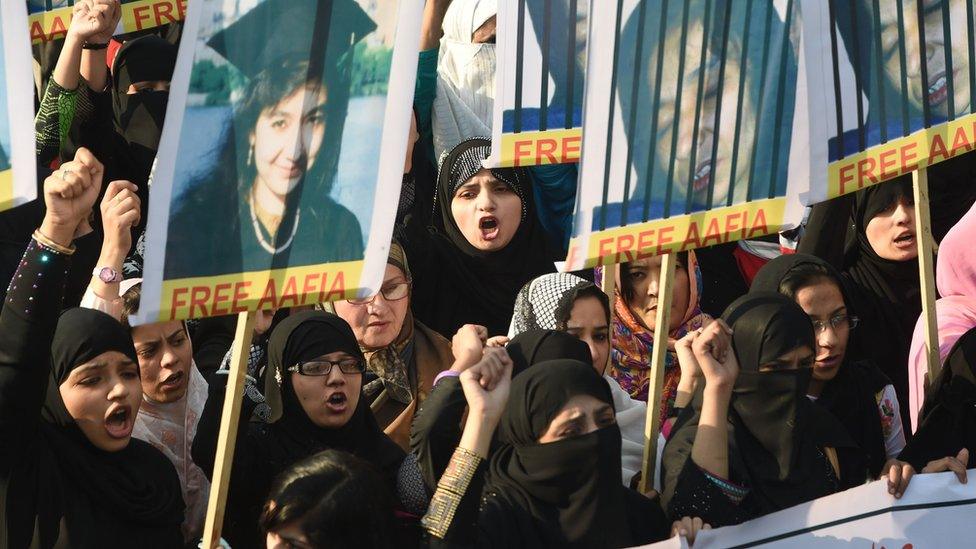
(171, 428)
(465, 76)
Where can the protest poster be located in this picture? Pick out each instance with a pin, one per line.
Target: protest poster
(892, 84)
(18, 170)
(49, 19)
(935, 511)
(690, 117)
(285, 136)
(538, 109)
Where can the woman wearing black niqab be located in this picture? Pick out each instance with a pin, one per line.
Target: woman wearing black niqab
(58, 488)
(265, 450)
(566, 493)
(436, 429)
(782, 449)
(456, 283)
(127, 131)
(137, 118)
(855, 394)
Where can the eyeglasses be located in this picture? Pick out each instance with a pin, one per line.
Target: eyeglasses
(324, 367)
(839, 322)
(391, 292)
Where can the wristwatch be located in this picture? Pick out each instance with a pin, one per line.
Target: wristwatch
(107, 275)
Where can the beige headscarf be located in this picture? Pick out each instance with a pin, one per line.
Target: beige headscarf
(400, 388)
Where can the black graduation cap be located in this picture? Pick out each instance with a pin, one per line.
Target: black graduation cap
(322, 31)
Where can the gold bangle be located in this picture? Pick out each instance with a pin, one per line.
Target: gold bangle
(451, 488)
(51, 245)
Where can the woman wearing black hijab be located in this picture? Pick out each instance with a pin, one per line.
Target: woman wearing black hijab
(484, 244)
(314, 389)
(554, 479)
(947, 422)
(70, 473)
(870, 237)
(436, 429)
(855, 391)
(752, 443)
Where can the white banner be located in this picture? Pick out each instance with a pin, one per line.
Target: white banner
(936, 511)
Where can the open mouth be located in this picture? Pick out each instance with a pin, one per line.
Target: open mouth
(905, 240)
(337, 402)
(938, 90)
(119, 422)
(173, 381)
(703, 176)
(489, 227)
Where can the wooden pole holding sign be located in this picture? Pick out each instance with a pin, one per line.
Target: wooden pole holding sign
(652, 425)
(227, 439)
(926, 269)
(609, 287)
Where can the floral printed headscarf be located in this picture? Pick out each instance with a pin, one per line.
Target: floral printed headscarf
(633, 342)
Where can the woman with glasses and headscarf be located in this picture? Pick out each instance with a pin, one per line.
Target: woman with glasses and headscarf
(314, 388)
(403, 355)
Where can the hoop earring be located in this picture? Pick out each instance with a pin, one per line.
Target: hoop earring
(250, 156)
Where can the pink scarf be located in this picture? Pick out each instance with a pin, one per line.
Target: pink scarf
(955, 277)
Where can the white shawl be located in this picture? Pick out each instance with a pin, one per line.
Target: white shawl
(465, 77)
(171, 428)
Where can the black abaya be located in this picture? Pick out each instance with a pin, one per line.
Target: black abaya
(566, 493)
(777, 437)
(884, 293)
(851, 395)
(56, 488)
(265, 450)
(455, 283)
(947, 422)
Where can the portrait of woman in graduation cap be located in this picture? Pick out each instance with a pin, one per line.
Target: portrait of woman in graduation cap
(264, 202)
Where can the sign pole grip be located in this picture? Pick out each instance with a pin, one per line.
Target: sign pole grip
(609, 287)
(227, 439)
(926, 270)
(652, 424)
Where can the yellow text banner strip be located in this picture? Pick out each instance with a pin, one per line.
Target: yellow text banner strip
(136, 16)
(901, 156)
(676, 234)
(541, 148)
(236, 293)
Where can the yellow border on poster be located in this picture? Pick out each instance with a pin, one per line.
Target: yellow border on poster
(144, 14)
(901, 156)
(6, 189)
(679, 233)
(541, 148)
(241, 292)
